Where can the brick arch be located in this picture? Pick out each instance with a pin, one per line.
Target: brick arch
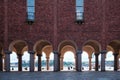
(47, 49)
(18, 46)
(93, 45)
(39, 45)
(65, 43)
(114, 46)
(88, 49)
(67, 48)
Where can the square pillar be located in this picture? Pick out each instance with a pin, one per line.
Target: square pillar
(19, 62)
(115, 61)
(103, 53)
(31, 61)
(39, 62)
(7, 60)
(96, 61)
(56, 61)
(1, 63)
(79, 61)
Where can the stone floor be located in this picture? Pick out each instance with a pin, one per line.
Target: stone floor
(63, 75)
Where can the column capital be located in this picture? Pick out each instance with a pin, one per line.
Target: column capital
(19, 54)
(39, 54)
(47, 57)
(89, 57)
(103, 52)
(79, 52)
(96, 54)
(8, 52)
(115, 54)
(31, 52)
(55, 52)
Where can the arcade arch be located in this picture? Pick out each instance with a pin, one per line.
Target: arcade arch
(114, 47)
(64, 47)
(43, 46)
(18, 47)
(92, 47)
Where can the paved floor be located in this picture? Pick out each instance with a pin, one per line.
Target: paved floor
(60, 75)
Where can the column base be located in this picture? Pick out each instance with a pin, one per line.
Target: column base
(102, 70)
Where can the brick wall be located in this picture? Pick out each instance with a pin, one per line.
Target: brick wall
(101, 21)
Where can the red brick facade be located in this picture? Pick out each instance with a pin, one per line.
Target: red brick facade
(55, 22)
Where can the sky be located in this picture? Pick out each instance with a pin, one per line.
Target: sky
(69, 56)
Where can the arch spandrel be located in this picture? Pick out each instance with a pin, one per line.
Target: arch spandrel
(94, 45)
(19, 46)
(109, 48)
(89, 50)
(40, 45)
(47, 49)
(67, 48)
(114, 46)
(67, 42)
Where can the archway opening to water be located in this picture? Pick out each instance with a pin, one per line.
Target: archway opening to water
(109, 63)
(13, 62)
(68, 61)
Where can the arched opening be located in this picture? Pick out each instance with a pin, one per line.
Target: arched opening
(99, 65)
(67, 51)
(109, 61)
(119, 64)
(43, 63)
(13, 62)
(18, 46)
(114, 46)
(43, 50)
(36, 63)
(93, 48)
(25, 61)
(85, 61)
(68, 61)
(88, 63)
(51, 61)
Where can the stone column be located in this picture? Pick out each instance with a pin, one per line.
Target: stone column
(115, 61)
(31, 61)
(61, 63)
(96, 61)
(7, 61)
(39, 62)
(47, 62)
(118, 63)
(75, 63)
(56, 61)
(103, 60)
(79, 61)
(1, 63)
(89, 63)
(19, 62)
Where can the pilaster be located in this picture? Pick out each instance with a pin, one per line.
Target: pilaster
(7, 60)
(79, 61)
(31, 60)
(56, 61)
(39, 62)
(103, 53)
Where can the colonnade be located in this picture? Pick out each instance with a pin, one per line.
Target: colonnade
(58, 61)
